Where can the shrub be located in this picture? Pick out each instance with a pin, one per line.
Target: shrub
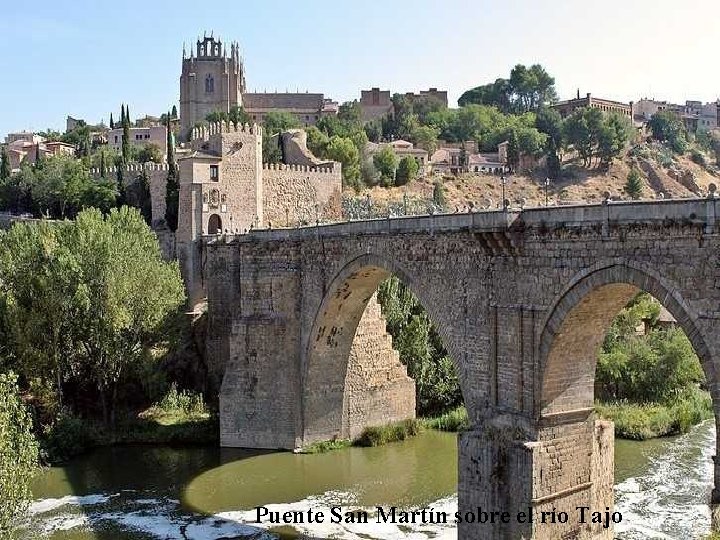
(18, 454)
(67, 437)
(454, 420)
(380, 435)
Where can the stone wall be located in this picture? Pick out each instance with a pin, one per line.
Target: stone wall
(292, 191)
(378, 390)
(521, 301)
(157, 178)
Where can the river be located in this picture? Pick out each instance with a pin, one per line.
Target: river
(202, 493)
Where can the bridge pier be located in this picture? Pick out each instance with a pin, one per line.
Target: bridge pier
(567, 466)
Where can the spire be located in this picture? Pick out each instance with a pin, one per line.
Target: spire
(183, 50)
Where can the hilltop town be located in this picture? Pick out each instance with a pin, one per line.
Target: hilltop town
(511, 138)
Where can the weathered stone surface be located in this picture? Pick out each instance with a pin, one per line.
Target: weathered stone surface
(522, 300)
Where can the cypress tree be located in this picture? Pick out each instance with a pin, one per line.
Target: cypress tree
(112, 125)
(38, 157)
(126, 136)
(172, 187)
(634, 184)
(174, 111)
(4, 164)
(103, 166)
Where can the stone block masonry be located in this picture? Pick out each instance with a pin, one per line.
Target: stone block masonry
(522, 301)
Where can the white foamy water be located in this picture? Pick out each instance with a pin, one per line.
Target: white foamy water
(669, 501)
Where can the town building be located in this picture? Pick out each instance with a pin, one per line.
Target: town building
(431, 95)
(402, 149)
(139, 137)
(25, 136)
(567, 107)
(375, 104)
(24, 150)
(307, 107)
(213, 81)
(459, 158)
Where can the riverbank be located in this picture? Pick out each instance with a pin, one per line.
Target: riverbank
(640, 422)
(180, 417)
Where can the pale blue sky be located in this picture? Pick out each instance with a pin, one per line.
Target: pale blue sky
(85, 57)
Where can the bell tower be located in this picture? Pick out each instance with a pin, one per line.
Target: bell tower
(211, 80)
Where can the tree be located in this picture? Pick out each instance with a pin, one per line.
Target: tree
(125, 147)
(217, 116)
(173, 113)
(18, 455)
(406, 171)
(237, 115)
(317, 142)
(274, 124)
(439, 194)
(634, 184)
(172, 185)
(386, 162)
(426, 137)
(4, 164)
(114, 286)
(112, 124)
(667, 127)
(613, 137)
(527, 89)
(343, 150)
(150, 153)
(549, 122)
(103, 166)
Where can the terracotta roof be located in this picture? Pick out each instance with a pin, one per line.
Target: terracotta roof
(283, 101)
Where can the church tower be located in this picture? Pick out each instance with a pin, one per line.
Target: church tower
(210, 81)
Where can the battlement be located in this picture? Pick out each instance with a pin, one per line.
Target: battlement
(321, 169)
(203, 133)
(133, 168)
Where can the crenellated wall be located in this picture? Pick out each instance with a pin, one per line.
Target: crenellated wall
(293, 191)
(157, 178)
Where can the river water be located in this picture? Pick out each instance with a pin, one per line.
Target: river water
(133, 493)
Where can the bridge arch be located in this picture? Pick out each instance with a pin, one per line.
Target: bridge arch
(328, 344)
(597, 294)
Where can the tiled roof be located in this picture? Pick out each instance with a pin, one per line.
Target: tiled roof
(283, 101)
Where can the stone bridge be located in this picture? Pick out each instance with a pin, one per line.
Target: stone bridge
(522, 300)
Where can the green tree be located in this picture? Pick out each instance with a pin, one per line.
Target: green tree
(217, 116)
(172, 185)
(343, 150)
(439, 194)
(667, 127)
(238, 116)
(150, 153)
(613, 137)
(317, 142)
(634, 184)
(103, 165)
(426, 137)
(4, 164)
(407, 171)
(40, 301)
(420, 348)
(112, 124)
(125, 146)
(386, 162)
(173, 113)
(18, 455)
(273, 125)
(549, 122)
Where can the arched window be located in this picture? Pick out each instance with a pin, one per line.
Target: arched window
(209, 84)
(214, 224)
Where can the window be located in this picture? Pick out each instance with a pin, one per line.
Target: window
(147, 135)
(116, 138)
(138, 137)
(209, 84)
(214, 173)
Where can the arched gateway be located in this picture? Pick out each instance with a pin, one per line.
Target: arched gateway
(522, 301)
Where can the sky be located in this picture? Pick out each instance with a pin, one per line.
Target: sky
(85, 57)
